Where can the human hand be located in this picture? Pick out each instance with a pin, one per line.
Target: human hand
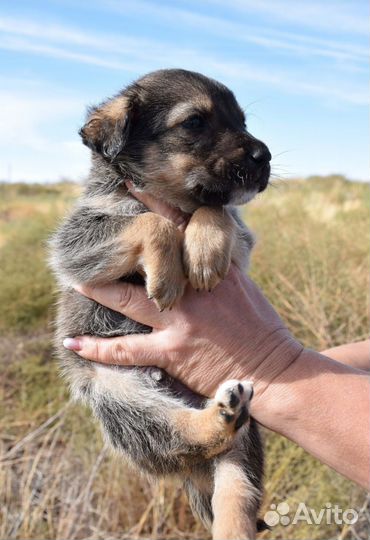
(179, 218)
(232, 332)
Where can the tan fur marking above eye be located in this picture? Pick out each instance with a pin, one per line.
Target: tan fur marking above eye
(182, 110)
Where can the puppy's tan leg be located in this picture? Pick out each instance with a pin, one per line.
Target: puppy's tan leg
(214, 427)
(234, 503)
(209, 239)
(153, 245)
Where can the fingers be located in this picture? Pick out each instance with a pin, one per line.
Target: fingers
(179, 218)
(128, 299)
(136, 349)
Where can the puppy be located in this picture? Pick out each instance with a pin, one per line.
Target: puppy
(182, 138)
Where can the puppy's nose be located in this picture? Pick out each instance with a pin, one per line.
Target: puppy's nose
(259, 153)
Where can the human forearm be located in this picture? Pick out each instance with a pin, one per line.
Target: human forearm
(323, 406)
(356, 355)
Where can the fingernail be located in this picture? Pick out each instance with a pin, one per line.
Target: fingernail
(72, 344)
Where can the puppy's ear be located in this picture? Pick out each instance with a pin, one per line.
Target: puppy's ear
(107, 127)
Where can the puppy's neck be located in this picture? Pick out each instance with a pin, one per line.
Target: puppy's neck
(106, 178)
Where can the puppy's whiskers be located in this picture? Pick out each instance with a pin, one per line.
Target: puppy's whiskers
(239, 172)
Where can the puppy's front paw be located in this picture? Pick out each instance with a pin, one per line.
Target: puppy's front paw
(165, 287)
(207, 247)
(161, 260)
(205, 266)
(232, 399)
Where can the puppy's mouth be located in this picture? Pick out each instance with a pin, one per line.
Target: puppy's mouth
(215, 195)
(239, 186)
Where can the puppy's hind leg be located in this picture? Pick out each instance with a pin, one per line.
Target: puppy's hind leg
(213, 429)
(235, 502)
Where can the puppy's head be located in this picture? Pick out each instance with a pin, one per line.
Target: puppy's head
(181, 137)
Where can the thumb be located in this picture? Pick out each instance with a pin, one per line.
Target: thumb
(132, 350)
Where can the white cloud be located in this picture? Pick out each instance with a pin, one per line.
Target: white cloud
(126, 54)
(56, 33)
(31, 143)
(335, 16)
(261, 34)
(29, 46)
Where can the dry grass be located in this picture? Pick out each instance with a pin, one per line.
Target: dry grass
(57, 479)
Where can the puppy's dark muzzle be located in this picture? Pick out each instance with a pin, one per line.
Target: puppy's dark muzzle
(243, 165)
(248, 166)
(249, 175)
(256, 164)
(239, 176)
(216, 194)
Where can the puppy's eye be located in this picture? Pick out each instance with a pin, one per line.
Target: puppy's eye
(196, 121)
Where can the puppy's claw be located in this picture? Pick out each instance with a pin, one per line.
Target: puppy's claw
(206, 275)
(165, 292)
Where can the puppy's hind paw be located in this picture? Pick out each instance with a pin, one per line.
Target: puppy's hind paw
(232, 399)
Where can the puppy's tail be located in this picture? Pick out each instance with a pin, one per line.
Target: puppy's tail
(200, 503)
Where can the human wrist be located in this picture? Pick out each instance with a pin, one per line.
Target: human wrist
(299, 389)
(276, 399)
(321, 405)
(260, 360)
(270, 357)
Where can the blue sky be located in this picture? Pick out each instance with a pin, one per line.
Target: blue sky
(299, 69)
